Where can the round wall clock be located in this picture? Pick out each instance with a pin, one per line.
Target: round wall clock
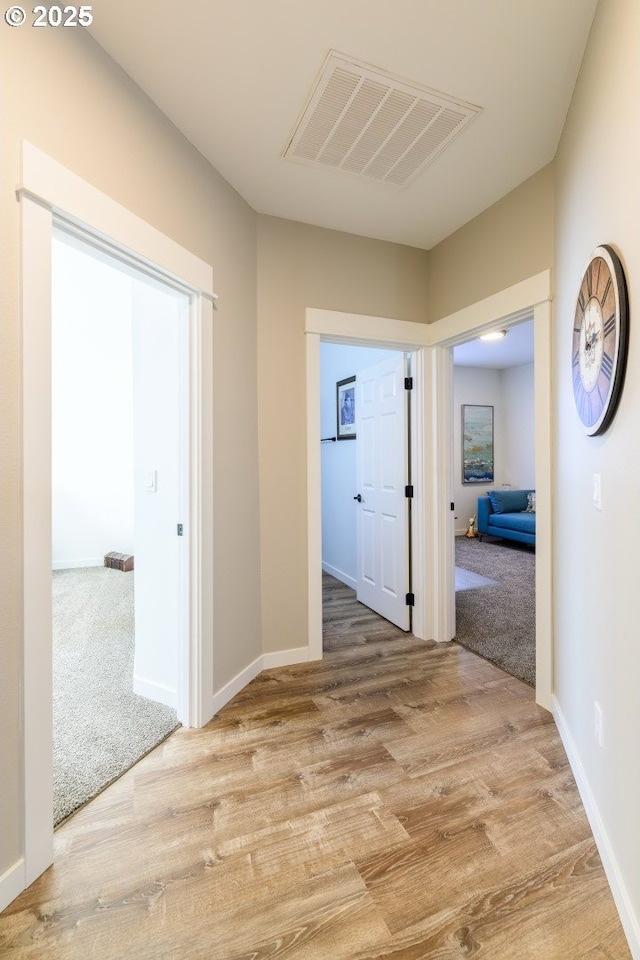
(600, 336)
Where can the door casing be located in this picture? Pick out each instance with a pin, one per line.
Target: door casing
(50, 193)
(432, 549)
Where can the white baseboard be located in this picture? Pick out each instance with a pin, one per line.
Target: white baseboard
(77, 564)
(155, 691)
(279, 658)
(340, 575)
(285, 658)
(235, 685)
(12, 883)
(630, 922)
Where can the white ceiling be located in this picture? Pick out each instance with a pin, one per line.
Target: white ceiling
(514, 350)
(234, 76)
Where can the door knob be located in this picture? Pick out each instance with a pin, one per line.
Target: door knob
(358, 498)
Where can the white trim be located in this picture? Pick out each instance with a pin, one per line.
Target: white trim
(340, 575)
(542, 374)
(49, 191)
(433, 521)
(155, 691)
(46, 181)
(440, 516)
(37, 704)
(285, 658)
(235, 685)
(621, 896)
(12, 883)
(267, 661)
(314, 497)
(532, 296)
(77, 564)
(201, 442)
(356, 328)
(511, 303)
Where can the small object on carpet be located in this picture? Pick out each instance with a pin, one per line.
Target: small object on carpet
(119, 561)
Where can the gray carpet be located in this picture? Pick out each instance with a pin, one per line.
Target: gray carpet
(100, 727)
(498, 621)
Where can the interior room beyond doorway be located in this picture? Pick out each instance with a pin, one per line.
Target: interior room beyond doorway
(343, 369)
(495, 578)
(117, 462)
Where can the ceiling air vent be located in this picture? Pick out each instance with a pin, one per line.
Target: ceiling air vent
(366, 122)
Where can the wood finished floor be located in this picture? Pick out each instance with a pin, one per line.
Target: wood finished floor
(396, 800)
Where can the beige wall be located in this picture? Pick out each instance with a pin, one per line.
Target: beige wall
(597, 653)
(509, 242)
(301, 266)
(62, 93)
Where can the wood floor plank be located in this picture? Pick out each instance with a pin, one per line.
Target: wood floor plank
(397, 799)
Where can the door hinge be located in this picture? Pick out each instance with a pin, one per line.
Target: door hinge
(180, 530)
(410, 600)
(408, 383)
(408, 490)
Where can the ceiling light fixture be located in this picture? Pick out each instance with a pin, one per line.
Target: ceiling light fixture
(493, 335)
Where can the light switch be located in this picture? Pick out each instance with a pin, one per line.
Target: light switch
(597, 492)
(152, 481)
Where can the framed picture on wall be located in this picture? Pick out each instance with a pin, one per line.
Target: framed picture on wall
(477, 443)
(346, 408)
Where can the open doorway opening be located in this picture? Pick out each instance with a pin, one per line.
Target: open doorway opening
(119, 476)
(494, 475)
(365, 468)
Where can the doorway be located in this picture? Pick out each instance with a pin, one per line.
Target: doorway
(364, 545)
(432, 548)
(50, 193)
(119, 474)
(493, 383)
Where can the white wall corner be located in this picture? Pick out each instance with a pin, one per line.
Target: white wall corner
(12, 883)
(155, 691)
(630, 922)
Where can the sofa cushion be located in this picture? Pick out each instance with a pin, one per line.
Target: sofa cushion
(522, 522)
(508, 501)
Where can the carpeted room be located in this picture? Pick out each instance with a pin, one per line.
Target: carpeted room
(100, 726)
(114, 486)
(495, 577)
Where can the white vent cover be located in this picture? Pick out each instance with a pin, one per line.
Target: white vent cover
(367, 122)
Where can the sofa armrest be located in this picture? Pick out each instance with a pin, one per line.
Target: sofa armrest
(484, 512)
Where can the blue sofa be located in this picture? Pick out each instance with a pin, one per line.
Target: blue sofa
(508, 514)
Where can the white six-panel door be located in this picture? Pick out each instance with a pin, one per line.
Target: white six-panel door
(383, 549)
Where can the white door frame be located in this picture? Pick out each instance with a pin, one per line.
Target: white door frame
(432, 518)
(529, 298)
(358, 330)
(49, 193)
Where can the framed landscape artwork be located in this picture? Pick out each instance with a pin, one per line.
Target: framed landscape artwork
(346, 408)
(477, 443)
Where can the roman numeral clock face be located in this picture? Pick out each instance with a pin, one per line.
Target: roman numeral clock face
(600, 335)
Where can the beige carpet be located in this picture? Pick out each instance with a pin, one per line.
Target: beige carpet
(100, 727)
